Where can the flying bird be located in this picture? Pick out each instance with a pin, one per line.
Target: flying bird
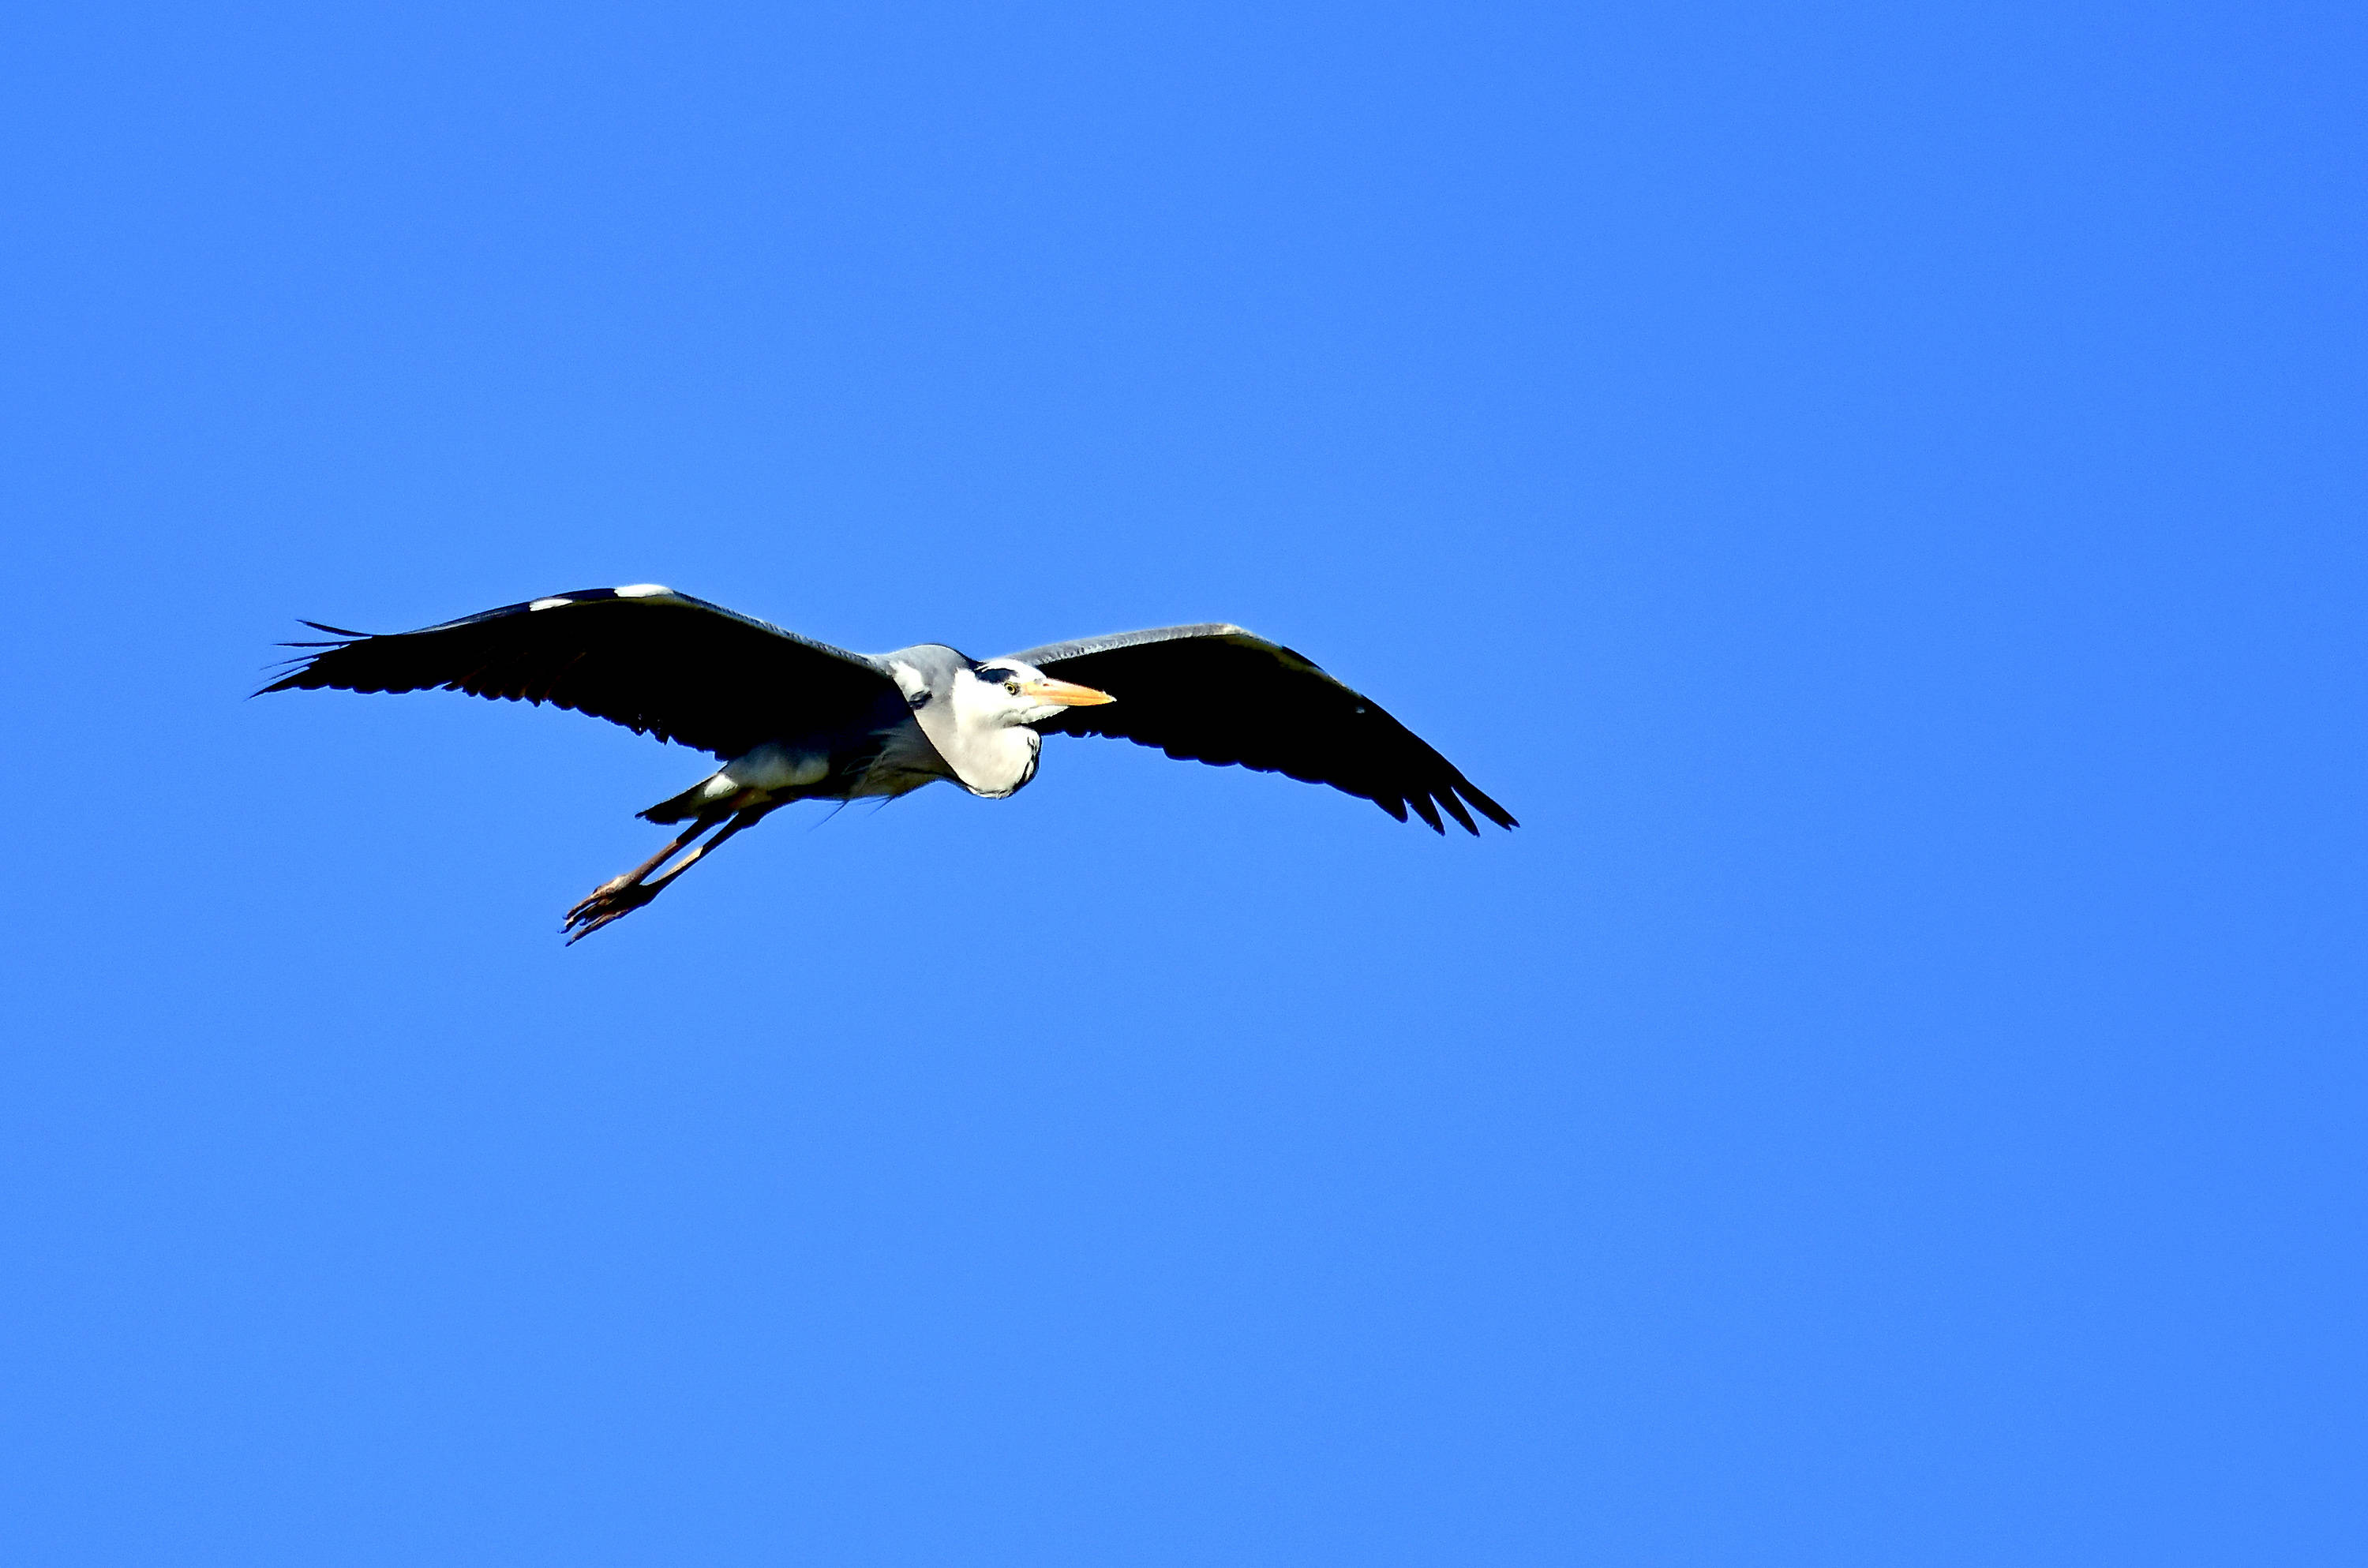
(791, 719)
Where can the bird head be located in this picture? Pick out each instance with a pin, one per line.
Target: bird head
(1005, 693)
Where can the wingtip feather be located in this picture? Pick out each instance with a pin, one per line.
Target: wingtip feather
(1456, 809)
(1484, 806)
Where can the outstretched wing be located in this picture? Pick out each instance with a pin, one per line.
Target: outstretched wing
(1217, 694)
(645, 658)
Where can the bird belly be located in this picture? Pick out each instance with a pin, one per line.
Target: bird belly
(774, 767)
(774, 771)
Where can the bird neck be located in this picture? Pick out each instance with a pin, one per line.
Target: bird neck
(986, 759)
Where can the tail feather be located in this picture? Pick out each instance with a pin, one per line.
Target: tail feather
(683, 807)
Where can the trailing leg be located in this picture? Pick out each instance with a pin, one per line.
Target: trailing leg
(619, 896)
(641, 872)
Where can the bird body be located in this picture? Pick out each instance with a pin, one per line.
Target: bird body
(947, 723)
(791, 719)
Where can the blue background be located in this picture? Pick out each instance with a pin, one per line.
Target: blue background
(1878, 491)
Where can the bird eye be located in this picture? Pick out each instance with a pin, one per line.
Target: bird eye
(1012, 687)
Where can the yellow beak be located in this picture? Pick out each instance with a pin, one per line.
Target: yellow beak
(1066, 695)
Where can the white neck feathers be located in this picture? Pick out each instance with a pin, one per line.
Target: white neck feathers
(989, 755)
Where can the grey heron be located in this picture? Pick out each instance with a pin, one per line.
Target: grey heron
(791, 719)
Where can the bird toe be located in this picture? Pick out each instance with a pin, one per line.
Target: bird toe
(609, 902)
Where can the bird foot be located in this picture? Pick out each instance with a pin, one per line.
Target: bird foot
(606, 890)
(612, 900)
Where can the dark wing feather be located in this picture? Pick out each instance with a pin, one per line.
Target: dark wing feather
(655, 661)
(1219, 695)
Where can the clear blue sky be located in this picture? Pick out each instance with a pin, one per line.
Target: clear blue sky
(1878, 491)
